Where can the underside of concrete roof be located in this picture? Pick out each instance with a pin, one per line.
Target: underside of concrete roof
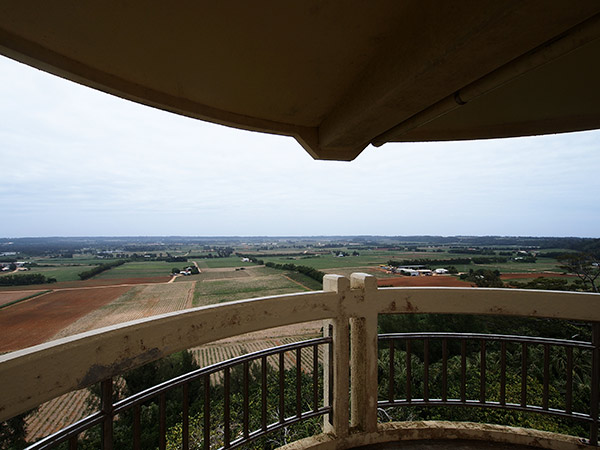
(337, 76)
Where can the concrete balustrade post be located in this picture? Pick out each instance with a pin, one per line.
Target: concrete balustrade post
(363, 365)
(336, 360)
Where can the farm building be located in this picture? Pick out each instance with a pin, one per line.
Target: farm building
(337, 77)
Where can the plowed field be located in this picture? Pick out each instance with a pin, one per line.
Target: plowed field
(35, 321)
(439, 281)
(138, 302)
(10, 296)
(88, 283)
(519, 276)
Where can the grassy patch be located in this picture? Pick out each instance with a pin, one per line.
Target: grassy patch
(61, 273)
(219, 263)
(218, 291)
(304, 280)
(142, 269)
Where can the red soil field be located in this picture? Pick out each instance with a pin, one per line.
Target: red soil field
(518, 276)
(35, 321)
(88, 283)
(439, 281)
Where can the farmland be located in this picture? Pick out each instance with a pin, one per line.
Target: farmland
(258, 282)
(140, 288)
(37, 320)
(138, 269)
(136, 303)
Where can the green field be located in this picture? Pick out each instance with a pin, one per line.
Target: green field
(61, 273)
(218, 263)
(142, 269)
(264, 284)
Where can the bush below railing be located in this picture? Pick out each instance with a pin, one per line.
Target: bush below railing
(258, 394)
(495, 373)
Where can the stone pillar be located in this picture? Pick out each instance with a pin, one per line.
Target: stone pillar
(363, 366)
(335, 368)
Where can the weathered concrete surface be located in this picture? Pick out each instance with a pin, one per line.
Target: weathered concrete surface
(440, 435)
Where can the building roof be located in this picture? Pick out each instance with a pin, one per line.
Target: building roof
(337, 76)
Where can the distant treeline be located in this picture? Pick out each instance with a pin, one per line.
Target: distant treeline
(447, 262)
(472, 251)
(100, 268)
(25, 279)
(261, 255)
(308, 271)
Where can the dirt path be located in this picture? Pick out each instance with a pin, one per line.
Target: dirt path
(189, 302)
(297, 282)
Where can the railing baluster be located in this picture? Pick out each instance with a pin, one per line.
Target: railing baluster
(426, 370)
(206, 412)
(315, 377)
(391, 395)
(524, 374)
(73, 443)
(444, 369)
(226, 407)
(482, 374)
(408, 371)
(162, 432)
(185, 411)
(281, 387)
(263, 405)
(595, 388)
(463, 370)
(569, 383)
(246, 406)
(106, 406)
(546, 388)
(330, 375)
(503, 373)
(298, 382)
(137, 427)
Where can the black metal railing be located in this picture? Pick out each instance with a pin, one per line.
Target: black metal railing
(227, 434)
(473, 370)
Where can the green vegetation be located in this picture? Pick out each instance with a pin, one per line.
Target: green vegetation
(100, 268)
(25, 279)
(218, 291)
(138, 269)
(167, 368)
(305, 270)
(491, 324)
(305, 280)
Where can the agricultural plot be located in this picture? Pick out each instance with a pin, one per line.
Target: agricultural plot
(57, 414)
(212, 354)
(60, 272)
(137, 303)
(217, 263)
(216, 274)
(11, 296)
(218, 291)
(139, 269)
(37, 320)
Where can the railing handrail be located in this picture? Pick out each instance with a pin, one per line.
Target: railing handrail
(153, 391)
(488, 337)
(72, 431)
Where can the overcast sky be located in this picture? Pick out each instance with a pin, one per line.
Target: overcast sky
(77, 162)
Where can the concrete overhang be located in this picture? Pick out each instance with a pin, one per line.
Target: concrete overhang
(335, 76)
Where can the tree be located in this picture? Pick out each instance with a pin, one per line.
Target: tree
(12, 432)
(585, 265)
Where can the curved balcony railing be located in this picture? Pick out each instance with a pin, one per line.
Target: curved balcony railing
(349, 403)
(564, 409)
